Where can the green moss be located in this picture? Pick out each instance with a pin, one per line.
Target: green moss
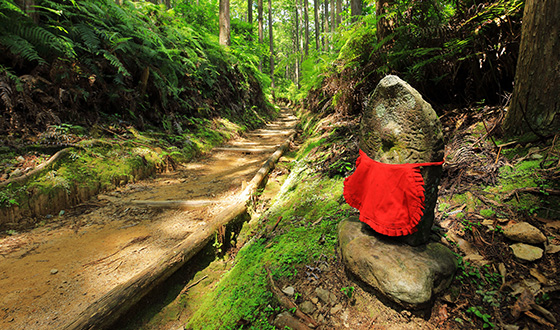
(487, 213)
(310, 211)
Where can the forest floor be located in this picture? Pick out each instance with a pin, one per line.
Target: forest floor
(486, 186)
(48, 275)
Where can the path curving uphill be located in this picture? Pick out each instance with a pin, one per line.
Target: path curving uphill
(107, 253)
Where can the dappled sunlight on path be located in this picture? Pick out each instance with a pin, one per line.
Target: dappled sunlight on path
(50, 274)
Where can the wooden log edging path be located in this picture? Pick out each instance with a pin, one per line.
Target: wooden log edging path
(106, 310)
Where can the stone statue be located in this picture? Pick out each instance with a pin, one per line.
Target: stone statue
(398, 126)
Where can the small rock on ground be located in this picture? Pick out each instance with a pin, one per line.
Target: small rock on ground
(289, 290)
(524, 233)
(526, 252)
(307, 307)
(325, 295)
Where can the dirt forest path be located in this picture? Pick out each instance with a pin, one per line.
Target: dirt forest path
(50, 274)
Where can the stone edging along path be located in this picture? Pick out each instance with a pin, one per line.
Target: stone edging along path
(107, 309)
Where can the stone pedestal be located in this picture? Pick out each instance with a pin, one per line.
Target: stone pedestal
(407, 275)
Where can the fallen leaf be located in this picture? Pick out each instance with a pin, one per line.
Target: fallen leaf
(539, 319)
(442, 313)
(511, 327)
(543, 220)
(534, 286)
(503, 272)
(548, 315)
(523, 303)
(553, 249)
(554, 225)
(536, 274)
(488, 223)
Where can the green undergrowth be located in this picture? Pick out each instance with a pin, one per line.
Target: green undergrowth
(523, 185)
(535, 171)
(101, 163)
(307, 209)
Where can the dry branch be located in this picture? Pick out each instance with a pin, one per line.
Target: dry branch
(533, 190)
(37, 169)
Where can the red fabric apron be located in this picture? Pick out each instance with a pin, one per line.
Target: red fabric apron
(390, 197)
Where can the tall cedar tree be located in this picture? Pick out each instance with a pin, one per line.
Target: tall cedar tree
(338, 12)
(326, 24)
(271, 47)
(261, 29)
(355, 9)
(317, 29)
(384, 23)
(535, 106)
(306, 22)
(224, 22)
(250, 11)
(296, 32)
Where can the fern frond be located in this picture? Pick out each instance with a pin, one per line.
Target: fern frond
(115, 62)
(5, 94)
(21, 47)
(9, 6)
(87, 34)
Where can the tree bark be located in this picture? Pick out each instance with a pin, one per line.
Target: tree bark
(535, 106)
(270, 34)
(338, 12)
(317, 29)
(28, 7)
(356, 9)
(384, 23)
(297, 49)
(326, 24)
(224, 22)
(333, 18)
(306, 22)
(260, 24)
(250, 11)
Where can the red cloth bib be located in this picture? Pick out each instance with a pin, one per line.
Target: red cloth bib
(390, 197)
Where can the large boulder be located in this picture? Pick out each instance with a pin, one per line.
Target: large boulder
(405, 274)
(398, 127)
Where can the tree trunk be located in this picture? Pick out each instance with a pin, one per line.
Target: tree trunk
(250, 11)
(384, 24)
(338, 12)
(225, 36)
(297, 49)
(306, 22)
(535, 106)
(28, 7)
(356, 9)
(317, 29)
(260, 24)
(326, 24)
(271, 47)
(333, 19)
